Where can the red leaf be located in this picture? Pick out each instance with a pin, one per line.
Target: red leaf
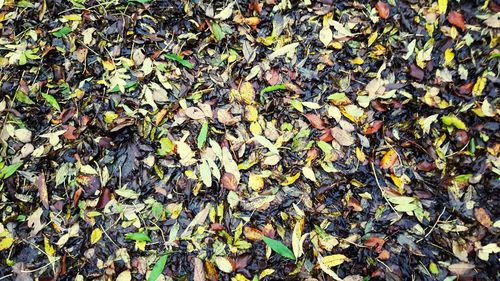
(326, 136)
(216, 227)
(383, 9)
(374, 127)
(69, 134)
(76, 196)
(315, 121)
(457, 19)
(466, 88)
(228, 181)
(375, 242)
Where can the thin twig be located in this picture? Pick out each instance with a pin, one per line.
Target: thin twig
(382, 191)
(434, 226)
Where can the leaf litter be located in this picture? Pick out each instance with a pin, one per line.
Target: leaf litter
(249, 140)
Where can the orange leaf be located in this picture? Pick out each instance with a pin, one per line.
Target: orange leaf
(252, 233)
(315, 121)
(383, 9)
(482, 217)
(384, 255)
(389, 159)
(376, 242)
(457, 19)
(228, 181)
(374, 127)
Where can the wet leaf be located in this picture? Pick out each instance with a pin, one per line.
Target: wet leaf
(158, 268)
(279, 247)
(389, 159)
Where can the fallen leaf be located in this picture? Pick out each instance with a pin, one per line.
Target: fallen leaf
(389, 159)
(482, 217)
(315, 121)
(229, 181)
(457, 19)
(383, 9)
(42, 190)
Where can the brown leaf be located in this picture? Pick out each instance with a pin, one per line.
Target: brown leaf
(354, 204)
(242, 261)
(315, 121)
(293, 88)
(121, 122)
(42, 190)
(343, 137)
(457, 19)
(252, 233)
(67, 114)
(70, 132)
(390, 158)
(482, 217)
(216, 227)
(383, 9)
(194, 113)
(229, 181)
(104, 198)
(226, 118)
(374, 127)
(375, 242)
(426, 166)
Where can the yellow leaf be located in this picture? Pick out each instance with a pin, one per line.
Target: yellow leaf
(108, 65)
(72, 17)
(255, 182)
(6, 243)
(291, 179)
(442, 5)
(372, 38)
(479, 86)
(251, 113)
(95, 236)
(357, 61)
(266, 272)
(49, 249)
(247, 92)
(449, 55)
(255, 129)
(334, 260)
(360, 155)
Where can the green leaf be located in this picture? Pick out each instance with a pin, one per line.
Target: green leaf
(279, 247)
(62, 32)
(8, 171)
(139, 1)
(202, 137)
(158, 268)
(452, 120)
(22, 97)
(137, 236)
(166, 147)
(179, 60)
(52, 101)
(273, 88)
(217, 31)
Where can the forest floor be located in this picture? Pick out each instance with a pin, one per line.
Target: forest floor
(249, 140)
